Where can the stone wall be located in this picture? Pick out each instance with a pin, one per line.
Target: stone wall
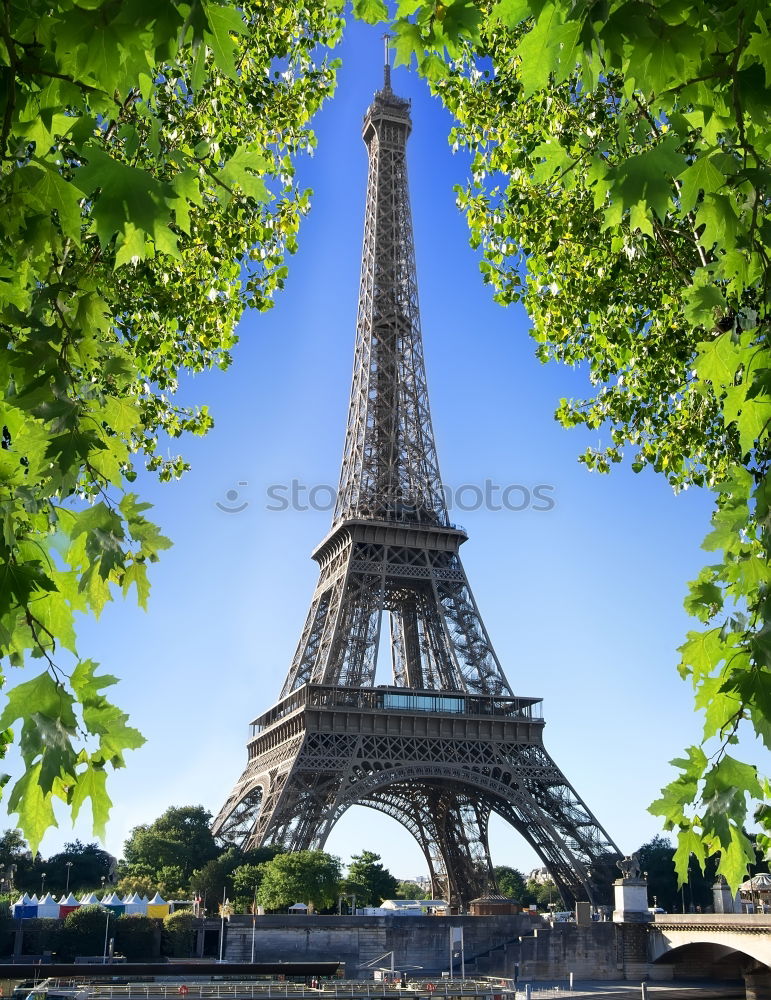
(491, 943)
(591, 951)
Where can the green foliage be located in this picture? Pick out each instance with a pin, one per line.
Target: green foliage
(178, 934)
(657, 860)
(83, 932)
(41, 935)
(132, 881)
(371, 882)
(246, 881)
(146, 199)
(311, 877)
(541, 893)
(511, 882)
(15, 857)
(89, 864)
(620, 183)
(136, 936)
(171, 848)
(410, 890)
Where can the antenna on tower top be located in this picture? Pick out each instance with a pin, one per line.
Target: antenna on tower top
(387, 63)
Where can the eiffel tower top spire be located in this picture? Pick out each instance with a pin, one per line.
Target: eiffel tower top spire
(387, 63)
(390, 470)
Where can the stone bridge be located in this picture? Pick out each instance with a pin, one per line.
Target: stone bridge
(713, 945)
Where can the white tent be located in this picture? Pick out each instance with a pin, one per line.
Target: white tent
(69, 901)
(48, 907)
(89, 899)
(132, 903)
(757, 883)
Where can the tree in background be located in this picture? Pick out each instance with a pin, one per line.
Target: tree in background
(511, 882)
(657, 861)
(15, 859)
(89, 864)
(83, 932)
(246, 881)
(180, 839)
(147, 197)
(218, 876)
(410, 890)
(620, 182)
(134, 881)
(178, 934)
(310, 877)
(543, 894)
(136, 936)
(369, 880)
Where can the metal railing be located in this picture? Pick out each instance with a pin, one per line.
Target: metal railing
(191, 990)
(387, 698)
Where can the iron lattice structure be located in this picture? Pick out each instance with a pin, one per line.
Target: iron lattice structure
(447, 743)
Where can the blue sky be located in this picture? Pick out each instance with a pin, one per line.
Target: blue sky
(583, 602)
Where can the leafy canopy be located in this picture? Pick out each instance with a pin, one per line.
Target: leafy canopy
(370, 880)
(146, 199)
(620, 188)
(310, 877)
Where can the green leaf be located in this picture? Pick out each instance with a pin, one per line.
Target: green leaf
(242, 170)
(53, 193)
(407, 42)
(33, 807)
(87, 685)
(43, 695)
(550, 47)
(123, 196)
(91, 784)
(224, 20)
(371, 11)
(701, 175)
(719, 359)
(735, 858)
(688, 843)
(645, 178)
(510, 12)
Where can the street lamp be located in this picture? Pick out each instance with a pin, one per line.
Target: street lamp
(68, 866)
(106, 929)
(225, 911)
(254, 920)
(42, 883)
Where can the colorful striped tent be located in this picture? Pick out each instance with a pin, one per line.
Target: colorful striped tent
(24, 908)
(48, 907)
(133, 904)
(67, 904)
(157, 906)
(114, 904)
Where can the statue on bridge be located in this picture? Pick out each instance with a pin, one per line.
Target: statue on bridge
(629, 866)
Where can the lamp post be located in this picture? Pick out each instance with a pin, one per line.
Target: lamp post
(42, 884)
(254, 920)
(68, 866)
(225, 910)
(106, 930)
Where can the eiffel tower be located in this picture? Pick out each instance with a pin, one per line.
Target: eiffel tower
(447, 743)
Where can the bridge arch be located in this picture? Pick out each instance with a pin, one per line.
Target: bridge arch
(712, 948)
